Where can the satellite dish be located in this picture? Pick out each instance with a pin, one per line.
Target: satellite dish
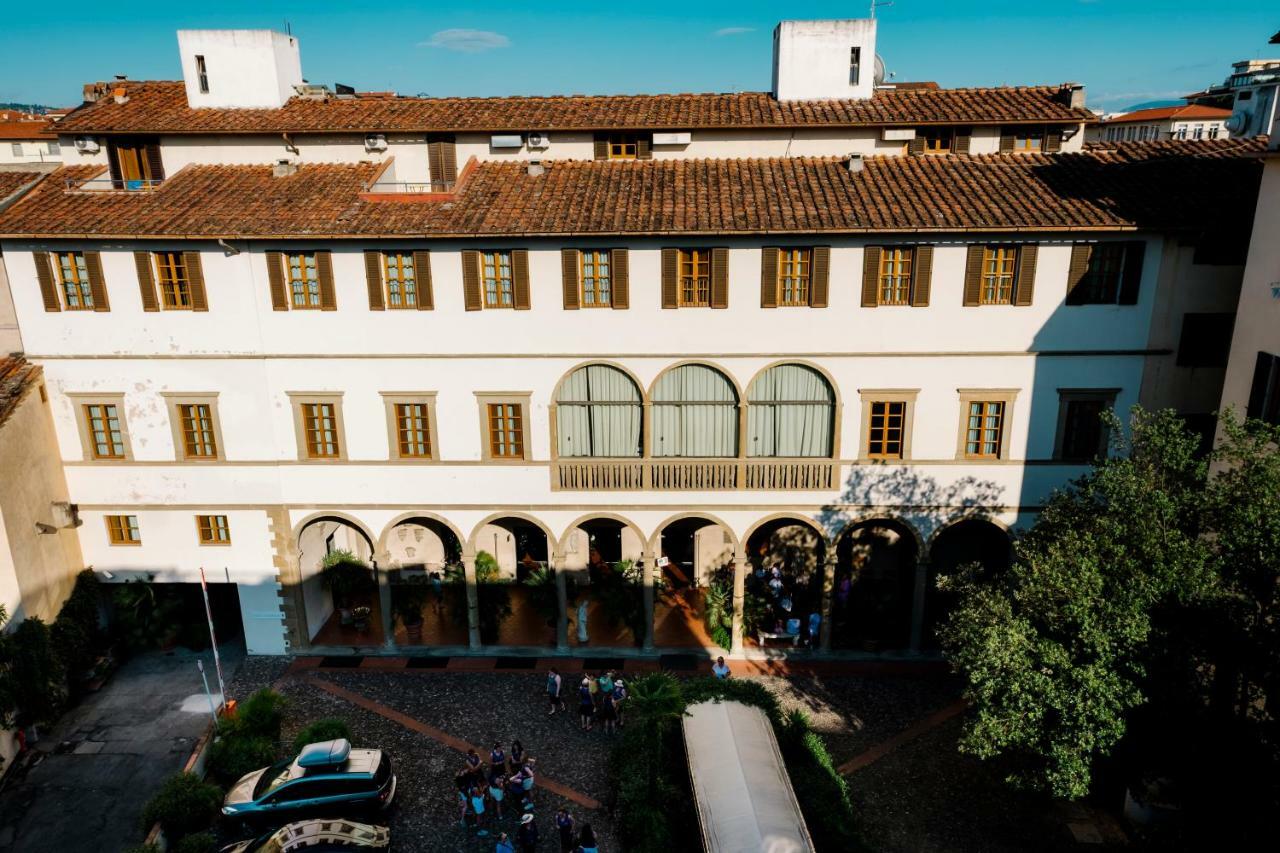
(879, 75)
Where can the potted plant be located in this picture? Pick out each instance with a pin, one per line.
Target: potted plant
(346, 578)
(360, 618)
(408, 599)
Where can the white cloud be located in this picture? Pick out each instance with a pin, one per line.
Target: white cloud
(732, 31)
(467, 41)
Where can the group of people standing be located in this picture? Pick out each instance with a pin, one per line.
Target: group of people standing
(600, 699)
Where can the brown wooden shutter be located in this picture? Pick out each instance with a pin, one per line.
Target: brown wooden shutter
(1052, 140)
(769, 277)
(113, 166)
(1131, 278)
(195, 280)
(1076, 271)
(643, 149)
(973, 275)
(146, 281)
(1025, 284)
(520, 278)
(670, 278)
(154, 164)
(569, 260)
(1006, 143)
(442, 159)
(921, 276)
(324, 274)
(44, 275)
(871, 276)
(620, 273)
(960, 145)
(916, 145)
(422, 271)
(601, 147)
(373, 279)
(720, 278)
(97, 286)
(819, 277)
(471, 280)
(275, 277)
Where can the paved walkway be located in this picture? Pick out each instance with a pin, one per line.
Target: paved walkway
(915, 730)
(105, 758)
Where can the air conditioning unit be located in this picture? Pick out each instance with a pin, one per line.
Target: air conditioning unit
(1238, 122)
(538, 140)
(375, 142)
(87, 145)
(505, 140)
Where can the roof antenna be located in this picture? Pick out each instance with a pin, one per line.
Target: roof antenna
(877, 3)
(288, 30)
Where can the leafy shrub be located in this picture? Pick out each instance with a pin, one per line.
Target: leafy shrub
(201, 842)
(487, 568)
(719, 614)
(238, 753)
(330, 728)
(823, 794)
(34, 680)
(77, 632)
(261, 715)
(183, 805)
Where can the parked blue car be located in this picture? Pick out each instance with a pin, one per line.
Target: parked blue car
(328, 779)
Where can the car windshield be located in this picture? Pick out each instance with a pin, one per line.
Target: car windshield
(275, 776)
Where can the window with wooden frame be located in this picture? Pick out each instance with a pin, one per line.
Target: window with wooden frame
(496, 279)
(506, 430)
(596, 277)
(794, 271)
(936, 140)
(885, 429)
(196, 422)
(73, 281)
(694, 278)
(413, 430)
(984, 429)
(135, 164)
(175, 284)
(401, 279)
(320, 430)
(999, 266)
(213, 530)
(302, 277)
(1028, 139)
(623, 146)
(1082, 434)
(896, 267)
(123, 530)
(1105, 273)
(105, 430)
(202, 74)
(1264, 390)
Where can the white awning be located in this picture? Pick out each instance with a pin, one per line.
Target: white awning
(743, 794)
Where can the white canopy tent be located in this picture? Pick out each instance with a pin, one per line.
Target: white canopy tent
(744, 797)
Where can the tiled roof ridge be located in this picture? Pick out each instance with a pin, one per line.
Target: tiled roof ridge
(17, 377)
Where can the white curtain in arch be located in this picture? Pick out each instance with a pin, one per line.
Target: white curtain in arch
(695, 413)
(790, 412)
(598, 413)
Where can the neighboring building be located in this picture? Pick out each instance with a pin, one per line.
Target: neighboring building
(39, 547)
(1250, 93)
(1253, 375)
(1189, 121)
(27, 139)
(860, 334)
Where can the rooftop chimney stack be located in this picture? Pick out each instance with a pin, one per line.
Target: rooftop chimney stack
(239, 69)
(824, 60)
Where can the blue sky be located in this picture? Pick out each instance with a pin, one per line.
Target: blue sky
(1125, 51)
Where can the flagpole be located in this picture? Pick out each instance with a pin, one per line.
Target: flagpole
(213, 638)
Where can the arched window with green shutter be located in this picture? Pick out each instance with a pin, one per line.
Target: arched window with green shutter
(790, 413)
(598, 413)
(695, 413)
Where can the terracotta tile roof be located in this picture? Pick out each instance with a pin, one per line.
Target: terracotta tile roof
(12, 181)
(161, 107)
(26, 128)
(1159, 185)
(1185, 111)
(17, 377)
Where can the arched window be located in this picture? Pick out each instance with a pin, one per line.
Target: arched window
(790, 412)
(695, 413)
(598, 413)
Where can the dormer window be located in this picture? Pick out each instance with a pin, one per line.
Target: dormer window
(135, 164)
(623, 145)
(855, 65)
(202, 75)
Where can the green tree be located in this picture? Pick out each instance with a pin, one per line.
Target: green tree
(1055, 652)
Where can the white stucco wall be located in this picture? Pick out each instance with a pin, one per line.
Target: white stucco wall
(246, 68)
(29, 151)
(811, 59)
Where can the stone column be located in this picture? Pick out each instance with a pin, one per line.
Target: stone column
(828, 597)
(739, 598)
(562, 603)
(917, 604)
(380, 562)
(650, 568)
(473, 599)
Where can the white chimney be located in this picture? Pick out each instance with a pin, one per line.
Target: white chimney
(239, 68)
(821, 60)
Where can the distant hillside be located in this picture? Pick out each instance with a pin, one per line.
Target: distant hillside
(1151, 105)
(38, 109)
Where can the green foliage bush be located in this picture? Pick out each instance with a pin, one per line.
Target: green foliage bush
(719, 613)
(201, 842)
(183, 805)
(261, 715)
(237, 753)
(330, 728)
(77, 632)
(32, 679)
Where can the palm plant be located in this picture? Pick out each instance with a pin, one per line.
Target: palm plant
(719, 614)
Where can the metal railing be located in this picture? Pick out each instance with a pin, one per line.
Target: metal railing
(694, 474)
(409, 187)
(112, 184)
